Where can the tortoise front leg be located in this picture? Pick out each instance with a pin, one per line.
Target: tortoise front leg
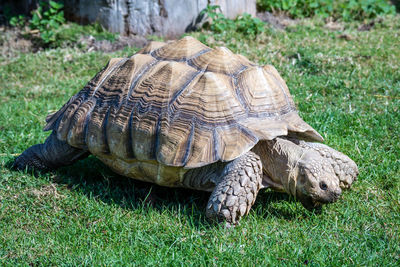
(236, 190)
(48, 156)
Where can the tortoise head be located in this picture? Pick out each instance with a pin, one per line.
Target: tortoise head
(313, 181)
(302, 173)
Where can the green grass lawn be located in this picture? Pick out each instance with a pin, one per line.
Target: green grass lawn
(346, 85)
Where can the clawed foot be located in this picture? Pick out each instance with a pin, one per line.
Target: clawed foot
(234, 195)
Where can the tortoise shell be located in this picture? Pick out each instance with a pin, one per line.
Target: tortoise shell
(181, 104)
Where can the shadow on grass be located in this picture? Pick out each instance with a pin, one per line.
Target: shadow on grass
(92, 178)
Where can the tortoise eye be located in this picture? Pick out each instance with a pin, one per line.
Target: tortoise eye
(323, 185)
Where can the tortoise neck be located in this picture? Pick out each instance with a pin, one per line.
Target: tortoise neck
(280, 159)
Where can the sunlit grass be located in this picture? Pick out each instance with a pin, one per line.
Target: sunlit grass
(86, 215)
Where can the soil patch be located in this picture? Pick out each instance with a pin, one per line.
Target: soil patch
(14, 41)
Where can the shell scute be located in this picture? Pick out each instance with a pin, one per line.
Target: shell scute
(150, 47)
(235, 141)
(180, 50)
(220, 60)
(210, 100)
(264, 93)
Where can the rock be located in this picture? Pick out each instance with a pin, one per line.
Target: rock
(233, 8)
(169, 18)
(334, 26)
(18, 6)
(345, 36)
(279, 21)
(369, 25)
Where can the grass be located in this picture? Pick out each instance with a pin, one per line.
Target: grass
(348, 90)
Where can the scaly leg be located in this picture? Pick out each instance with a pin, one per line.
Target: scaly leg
(237, 189)
(48, 156)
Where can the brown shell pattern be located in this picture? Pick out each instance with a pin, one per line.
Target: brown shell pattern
(180, 103)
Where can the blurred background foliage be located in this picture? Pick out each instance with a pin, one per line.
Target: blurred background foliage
(338, 9)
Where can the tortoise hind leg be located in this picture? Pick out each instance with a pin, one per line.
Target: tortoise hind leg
(236, 192)
(49, 156)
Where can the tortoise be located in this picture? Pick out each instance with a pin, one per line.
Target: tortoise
(181, 114)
